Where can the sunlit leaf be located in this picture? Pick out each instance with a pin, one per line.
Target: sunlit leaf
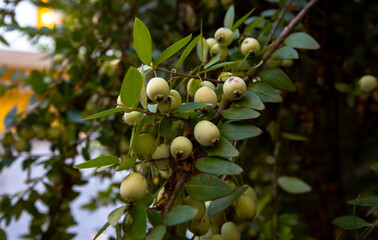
(142, 42)
(98, 162)
(170, 51)
(229, 17)
(115, 215)
(131, 87)
(187, 50)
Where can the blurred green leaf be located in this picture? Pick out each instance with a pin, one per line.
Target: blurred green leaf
(222, 149)
(293, 185)
(216, 66)
(101, 230)
(293, 137)
(241, 20)
(154, 217)
(157, 233)
(301, 40)
(131, 87)
(253, 24)
(221, 204)
(180, 214)
(37, 83)
(205, 187)
(3, 236)
(350, 222)
(11, 116)
(374, 167)
(229, 17)
(212, 61)
(239, 113)
(2, 39)
(139, 226)
(277, 79)
(142, 42)
(187, 50)
(371, 201)
(342, 87)
(202, 49)
(285, 52)
(105, 113)
(170, 51)
(235, 131)
(265, 92)
(216, 165)
(115, 215)
(98, 162)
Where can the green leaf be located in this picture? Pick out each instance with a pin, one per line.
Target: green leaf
(115, 215)
(129, 163)
(223, 149)
(167, 53)
(11, 116)
(293, 137)
(2, 39)
(106, 225)
(37, 83)
(202, 50)
(142, 42)
(253, 24)
(139, 226)
(342, 87)
(350, 222)
(235, 131)
(216, 165)
(187, 50)
(105, 113)
(205, 187)
(293, 185)
(157, 233)
(180, 214)
(277, 79)
(221, 204)
(241, 20)
(370, 201)
(240, 113)
(131, 87)
(212, 61)
(301, 40)
(98, 162)
(285, 52)
(250, 100)
(216, 66)
(265, 92)
(374, 167)
(154, 217)
(190, 106)
(229, 17)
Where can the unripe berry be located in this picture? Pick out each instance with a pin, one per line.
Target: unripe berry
(157, 89)
(234, 88)
(192, 86)
(250, 192)
(161, 157)
(217, 237)
(218, 49)
(207, 84)
(144, 145)
(54, 133)
(245, 207)
(210, 42)
(367, 83)
(174, 93)
(199, 226)
(223, 76)
(206, 95)
(230, 231)
(133, 187)
(287, 63)
(206, 133)
(167, 105)
(20, 145)
(181, 147)
(196, 204)
(250, 45)
(132, 118)
(224, 36)
(273, 63)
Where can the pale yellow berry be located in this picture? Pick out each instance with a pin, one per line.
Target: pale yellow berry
(199, 226)
(245, 207)
(206, 133)
(206, 95)
(144, 145)
(224, 36)
(250, 46)
(132, 118)
(210, 42)
(223, 76)
(234, 88)
(218, 49)
(133, 187)
(181, 147)
(368, 83)
(157, 89)
(230, 231)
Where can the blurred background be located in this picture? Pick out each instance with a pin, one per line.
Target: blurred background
(61, 61)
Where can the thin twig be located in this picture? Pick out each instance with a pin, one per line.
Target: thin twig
(174, 194)
(188, 76)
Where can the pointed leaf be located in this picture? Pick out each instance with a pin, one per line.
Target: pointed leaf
(371, 201)
(167, 53)
(115, 215)
(190, 106)
(240, 113)
(180, 214)
(216, 165)
(212, 61)
(241, 20)
(252, 25)
(301, 40)
(216, 66)
(129, 163)
(139, 226)
(105, 113)
(157, 233)
(350, 222)
(205, 187)
(202, 49)
(131, 87)
(229, 17)
(265, 92)
(286, 52)
(106, 225)
(142, 42)
(154, 217)
(277, 78)
(250, 100)
(235, 131)
(187, 50)
(293, 185)
(221, 204)
(98, 162)
(223, 149)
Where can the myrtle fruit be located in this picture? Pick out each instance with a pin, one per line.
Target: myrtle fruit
(245, 207)
(223, 76)
(199, 205)
(234, 88)
(157, 89)
(207, 84)
(250, 46)
(206, 95)
(199, 226)
(167, 105)
(133, 187)
(181, 147)
(132, 118)
(210, 42)
(161, 157)
(206, 133)
(192, 86)
(224, 36)
(287, 63)
(217, 237)
(219, 49)
(367, 83)
(144, 145)
(250, 192)
(174, 93)
(273, 63)
(230, 231)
